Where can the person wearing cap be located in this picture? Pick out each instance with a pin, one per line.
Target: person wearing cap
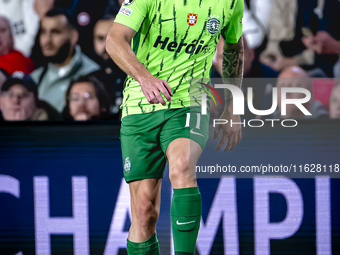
(19, 100)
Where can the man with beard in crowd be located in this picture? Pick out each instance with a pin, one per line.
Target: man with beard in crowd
(64, 59)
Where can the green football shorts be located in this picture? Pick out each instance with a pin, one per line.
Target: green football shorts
(146, 137)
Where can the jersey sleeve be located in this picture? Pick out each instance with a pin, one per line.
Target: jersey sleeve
(233, 30)
(132, 13)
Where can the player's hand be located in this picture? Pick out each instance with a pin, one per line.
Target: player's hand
(232, 134)
(152, 87)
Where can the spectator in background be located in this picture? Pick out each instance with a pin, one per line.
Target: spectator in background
(86, 14)
(87, 99)
(287, 23)
(252, 67)
(24, 21)
(303, 33)
(334, 103)
(65, 60)
(325, 41)
(297, 77)
(111, 75)
(100, 32)
(256, 21)
(41, 7)
(11, 60)
(19, 100)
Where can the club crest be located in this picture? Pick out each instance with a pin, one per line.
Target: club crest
(127, 164)
(213, 25)
(128, 2)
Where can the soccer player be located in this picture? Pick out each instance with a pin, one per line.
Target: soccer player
(173, 42)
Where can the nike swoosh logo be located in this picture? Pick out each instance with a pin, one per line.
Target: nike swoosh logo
(195, 133)
(184, 223)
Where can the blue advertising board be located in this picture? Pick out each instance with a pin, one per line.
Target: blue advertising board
(62, 192)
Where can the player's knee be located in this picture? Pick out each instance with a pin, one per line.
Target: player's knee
(146, 213)
(180, 169)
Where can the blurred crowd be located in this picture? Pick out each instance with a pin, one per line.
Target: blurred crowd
(54, 66)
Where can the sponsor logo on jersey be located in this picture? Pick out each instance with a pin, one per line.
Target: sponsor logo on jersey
(192, 19)
(213, 25)
(190, 48)
(125, 11)
(127, 164)
(128, 2)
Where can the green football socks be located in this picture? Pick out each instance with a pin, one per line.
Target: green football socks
(148, 247)
(186, 211)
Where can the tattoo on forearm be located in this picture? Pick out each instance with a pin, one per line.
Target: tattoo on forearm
(233, 68)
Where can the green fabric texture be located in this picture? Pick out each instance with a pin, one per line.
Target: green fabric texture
(148, 247)
(186, 211)
(186, 191)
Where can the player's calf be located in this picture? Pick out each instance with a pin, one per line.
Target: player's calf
(186, 207)
(145, 206)
(142, 235)
(186, 211)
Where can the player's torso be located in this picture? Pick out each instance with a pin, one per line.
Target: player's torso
(177, 43)
(181, 33)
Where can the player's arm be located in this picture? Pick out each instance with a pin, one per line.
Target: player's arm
(232, 66)
(232, 73)
(118, 46)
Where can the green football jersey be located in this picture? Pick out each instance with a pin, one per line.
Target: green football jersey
(176, 41)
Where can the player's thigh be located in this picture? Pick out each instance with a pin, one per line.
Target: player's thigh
(142, 155)
(184, 150)
(183, 138)
(186, 123)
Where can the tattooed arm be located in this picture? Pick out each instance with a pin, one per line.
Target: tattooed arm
(232, 67)
(232, 73)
